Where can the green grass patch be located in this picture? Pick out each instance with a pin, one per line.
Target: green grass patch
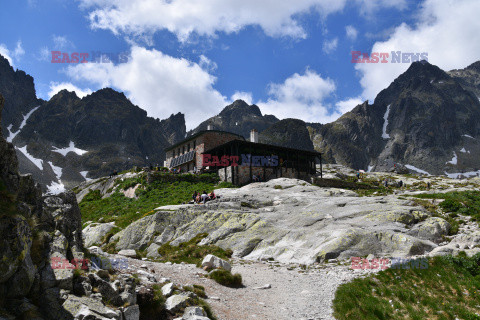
(448, 289)
(125, 210)
(191, 252)
(226, 278)
(197, 289)
(449, 217)
(463, 202)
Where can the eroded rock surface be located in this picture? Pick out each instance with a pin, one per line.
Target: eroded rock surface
(291, 220)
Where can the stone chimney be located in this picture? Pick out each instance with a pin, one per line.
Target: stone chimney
(254, 136)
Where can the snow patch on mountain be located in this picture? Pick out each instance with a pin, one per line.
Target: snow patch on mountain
(454, 159)
(35, 161)
(417, 170)
(457, 175)
(12, 135)
(385, 135)
(71, 148)
(84, 175)
(56, 188)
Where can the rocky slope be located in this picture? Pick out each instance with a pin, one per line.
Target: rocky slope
(67, 140)
(292, 133)
(240, 118)
(18, 91)
(425, 120)
(288, 220)
(469, 77)
(44, 273)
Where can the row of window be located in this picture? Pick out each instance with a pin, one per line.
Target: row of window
(184, 149)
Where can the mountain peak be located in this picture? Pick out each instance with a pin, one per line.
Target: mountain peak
(424, 68)
(242, 108)
(108, 93)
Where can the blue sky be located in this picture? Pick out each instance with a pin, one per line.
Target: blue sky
(292, 58)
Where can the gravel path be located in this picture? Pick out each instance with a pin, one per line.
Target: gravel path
(294, 293)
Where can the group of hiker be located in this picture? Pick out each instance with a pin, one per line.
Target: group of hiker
(203, 197)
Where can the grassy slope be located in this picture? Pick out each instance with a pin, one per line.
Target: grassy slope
(447, 289)
(124, 210)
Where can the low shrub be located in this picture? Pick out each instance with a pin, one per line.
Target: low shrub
(226, 278)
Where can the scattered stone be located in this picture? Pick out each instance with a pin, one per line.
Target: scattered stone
(267, 286)
(167, 289)
(128, 253)
(213, 262)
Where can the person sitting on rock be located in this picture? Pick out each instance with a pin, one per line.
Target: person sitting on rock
(199, 198)
(194, 197)
(204, 197)
(212, 196)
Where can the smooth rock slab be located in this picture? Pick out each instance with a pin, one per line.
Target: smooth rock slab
(75, 305)
(177, 302)
(94, 233)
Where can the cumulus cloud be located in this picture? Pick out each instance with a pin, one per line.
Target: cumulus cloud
(241, 95)
(206, 18)
(450, 42)
(55, 87)
(301, 96)
(330, 46)
(351, 32)
(12, 56)
(6, 53)
(158, 83)
(347, 105)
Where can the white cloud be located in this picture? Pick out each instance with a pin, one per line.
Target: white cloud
(6, 53)
(158, 83)
(240, 95)
(19, 52)
(55, 87)
(451, 42)
(301, 97)
(351, 32)
(207, 64)
(45, 54)
(12, 56)
(368, 7)
(62, 42)
(347, 105)
(330, 45)
(207, 17)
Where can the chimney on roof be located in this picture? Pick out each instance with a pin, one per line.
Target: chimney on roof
(209, 127)
(254, 136)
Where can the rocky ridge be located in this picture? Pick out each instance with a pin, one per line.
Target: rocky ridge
(425, 120)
